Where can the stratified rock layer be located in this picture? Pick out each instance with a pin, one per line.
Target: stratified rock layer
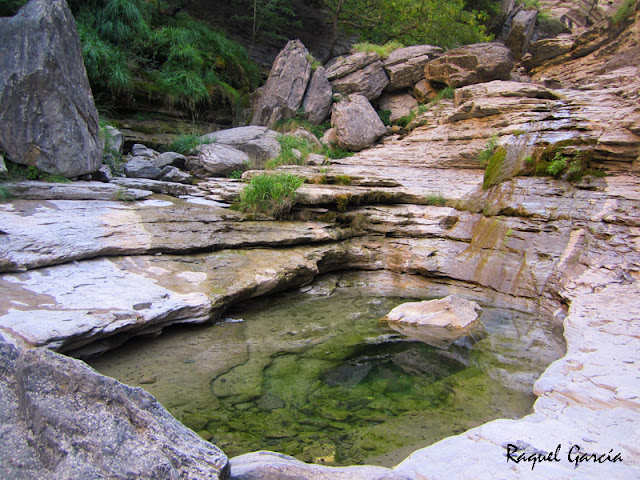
(47, 113)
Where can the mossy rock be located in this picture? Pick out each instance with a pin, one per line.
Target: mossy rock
(495, 172)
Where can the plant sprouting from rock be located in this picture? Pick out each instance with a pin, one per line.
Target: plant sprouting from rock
(269, 194)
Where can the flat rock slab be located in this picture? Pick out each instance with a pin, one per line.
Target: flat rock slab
(61, 419)
(100, 303)
(44, 233)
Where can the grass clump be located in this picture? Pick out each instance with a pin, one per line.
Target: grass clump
(293, 151)
(18, 173)
(494, 166)
(343, 180)
(487, 152)
(270, 194)
(187, 143)
(557, 165)
(436, 199)
(5, 194)
(383, 51)
(624, 12)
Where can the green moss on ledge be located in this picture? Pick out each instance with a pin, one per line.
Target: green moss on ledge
(493, 173)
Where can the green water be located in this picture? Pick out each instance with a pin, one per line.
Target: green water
(321, 378)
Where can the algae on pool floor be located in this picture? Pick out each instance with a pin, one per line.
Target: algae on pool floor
(320, 378)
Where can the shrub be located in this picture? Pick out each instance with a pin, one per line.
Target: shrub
(385, 116)
(270, 194)
(557, 165)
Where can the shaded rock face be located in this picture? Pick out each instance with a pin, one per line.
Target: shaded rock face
(285, 87)
(356, 123)
(521, 32)
(60, 419)
(318, 98)
(47, 112)
(477, 63)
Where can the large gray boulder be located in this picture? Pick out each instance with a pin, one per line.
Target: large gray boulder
(142, 167)
(361, 73)
(357, 125)
(477, 63)
(405, 66)
(220, 160)
(318, 98)
(61, 419)
(258, 142)
(47, 113)
(285, 87)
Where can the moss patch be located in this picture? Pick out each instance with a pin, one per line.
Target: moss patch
(494, 172)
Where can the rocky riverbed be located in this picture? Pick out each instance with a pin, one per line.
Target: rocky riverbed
(83, 271)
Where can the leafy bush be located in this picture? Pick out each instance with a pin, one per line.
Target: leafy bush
(385, 116)
(270, 194)
(557, 165)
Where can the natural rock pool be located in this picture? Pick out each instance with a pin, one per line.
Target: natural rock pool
(315, 374)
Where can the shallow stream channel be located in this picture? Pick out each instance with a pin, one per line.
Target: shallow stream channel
(316, 374)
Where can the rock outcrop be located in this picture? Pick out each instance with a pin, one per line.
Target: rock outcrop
(522, 28)
(60, 419)
(360, 73)
(46, 109)
(477, 63)
(284, 91)
(405, 66)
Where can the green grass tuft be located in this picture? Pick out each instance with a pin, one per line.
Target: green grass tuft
(383, 51)
(186, 144)
(270, 194)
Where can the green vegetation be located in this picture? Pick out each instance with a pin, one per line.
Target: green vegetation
(494, 167)
(436, 199)
(18, 173)
(385, 116)
(5, 194)
(557, 165)
(268, 20)
(625, 11)
(294, 151)
(187, 143)
(130, 49)
(237, 174)
(446, 93)
(270, 194)
(487, 152)
(343, 180)
(383, 51)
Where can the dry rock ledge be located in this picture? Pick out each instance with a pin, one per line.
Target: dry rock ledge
(80, 277)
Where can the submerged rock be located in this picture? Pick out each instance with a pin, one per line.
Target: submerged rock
(47, 113)
(61, 419)
(449, 312)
